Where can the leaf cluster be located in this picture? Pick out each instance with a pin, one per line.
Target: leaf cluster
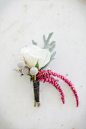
(47, 45)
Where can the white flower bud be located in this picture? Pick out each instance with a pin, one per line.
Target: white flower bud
(21, 64)
(33, 71)
(25, 71)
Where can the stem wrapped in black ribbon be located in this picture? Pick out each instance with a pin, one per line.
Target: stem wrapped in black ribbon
(36, 92)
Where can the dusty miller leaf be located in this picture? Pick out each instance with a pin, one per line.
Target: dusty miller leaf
(15, 70)
(46, 41)
(51, 58)
(52, 43)
(34, 43)
(49, 37)
(51, 48)
(45, 66)
(53, 54)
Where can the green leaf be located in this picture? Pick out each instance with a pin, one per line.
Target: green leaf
(34, 43)
(21, 75)
(31, 79)
(52, 43)
(37, 65)
(51, 48)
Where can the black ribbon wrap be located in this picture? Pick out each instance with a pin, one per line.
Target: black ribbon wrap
(36, 90)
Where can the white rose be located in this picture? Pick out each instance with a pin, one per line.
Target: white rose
(32, 54)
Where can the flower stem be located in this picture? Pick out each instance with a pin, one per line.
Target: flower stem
(34, 78)
(34, 103)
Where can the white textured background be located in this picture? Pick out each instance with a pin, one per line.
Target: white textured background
(20, 22)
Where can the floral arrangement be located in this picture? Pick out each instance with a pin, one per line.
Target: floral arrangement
(33, 61)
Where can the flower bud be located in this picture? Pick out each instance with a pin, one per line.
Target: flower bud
(21, 64)
(33, 71)
(25, 71)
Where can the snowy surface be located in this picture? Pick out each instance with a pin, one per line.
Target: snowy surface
(20, 22)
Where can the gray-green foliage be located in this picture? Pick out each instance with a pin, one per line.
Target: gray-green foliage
(34, 43)
(53, 54)
(50, 46)
(48, 63)
(46, 41)
(15, 70)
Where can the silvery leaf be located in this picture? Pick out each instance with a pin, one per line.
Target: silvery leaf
(34, 43)
(15, 70)
(49, 37)
(52, 43)
(51, 48)
(53, 54)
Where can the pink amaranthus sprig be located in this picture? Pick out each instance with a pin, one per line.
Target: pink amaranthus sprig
(47, 76)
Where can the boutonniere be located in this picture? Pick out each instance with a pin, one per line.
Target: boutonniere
(33, 61)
